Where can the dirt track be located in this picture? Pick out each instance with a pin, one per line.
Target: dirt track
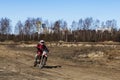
(17, 64)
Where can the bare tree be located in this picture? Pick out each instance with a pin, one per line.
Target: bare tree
(57, 27)
(87, 23)
(38, 24)
(5, 27)
(80, 24)
(28, 27)
(74, 26)
(19, 30)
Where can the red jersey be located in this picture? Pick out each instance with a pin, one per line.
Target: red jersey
(41, 48)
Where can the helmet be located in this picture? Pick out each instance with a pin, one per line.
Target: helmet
(42, 41)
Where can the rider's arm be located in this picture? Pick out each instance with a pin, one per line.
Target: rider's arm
(46, 49)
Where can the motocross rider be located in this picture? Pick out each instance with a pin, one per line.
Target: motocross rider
(40, 48)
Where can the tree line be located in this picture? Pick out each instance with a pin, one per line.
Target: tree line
(83, 30)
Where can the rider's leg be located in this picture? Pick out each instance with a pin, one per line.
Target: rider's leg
(35, 62)
(45, 60)
(39, 57)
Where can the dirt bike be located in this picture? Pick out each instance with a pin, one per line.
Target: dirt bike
(43, 59)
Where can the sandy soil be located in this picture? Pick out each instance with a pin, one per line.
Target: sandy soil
(17, 64)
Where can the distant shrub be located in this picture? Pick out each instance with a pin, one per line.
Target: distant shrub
(2, 39)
